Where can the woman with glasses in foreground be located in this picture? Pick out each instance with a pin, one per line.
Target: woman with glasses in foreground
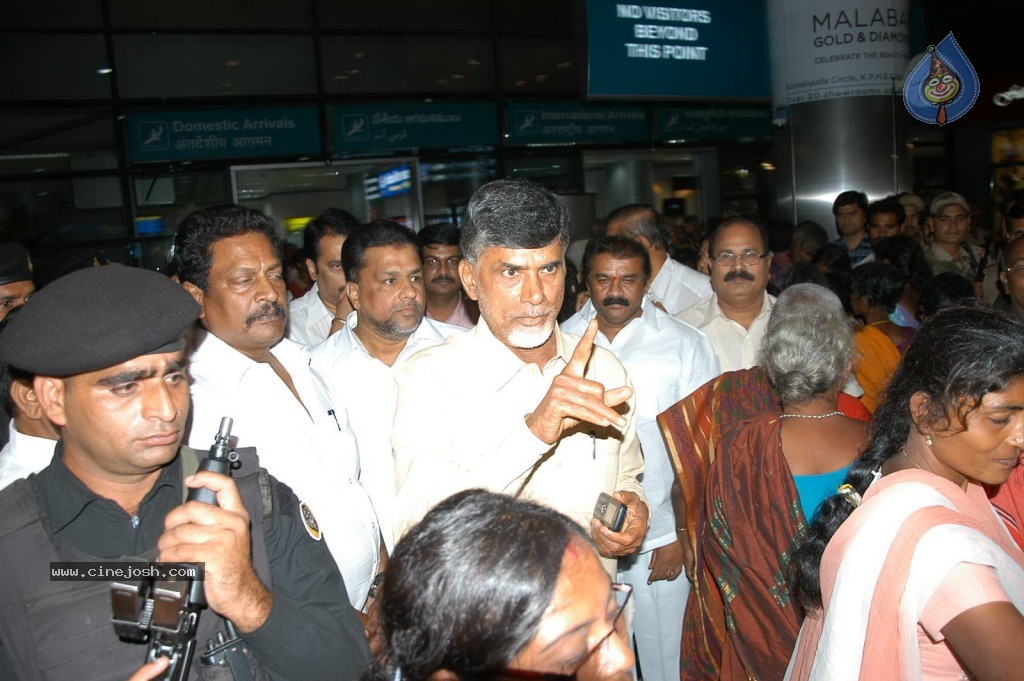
(490, 587)
(909, 573)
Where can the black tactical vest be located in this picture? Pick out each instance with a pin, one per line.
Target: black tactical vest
(58, 631)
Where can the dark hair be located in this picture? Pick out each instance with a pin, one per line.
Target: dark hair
(620, 248)
(907, 256)
(9, 374)
(810, 235)
(642, 221)
(193, 244)
(887, 205)
(513, 214)
(729, 222)
(802, 272)
(946, 289)
(332, 222)
(574, 285)
(466, 588)
(372, 235)
(851, 197)
(957, 357)
(442, 233)
(879, 283)
(834, 257)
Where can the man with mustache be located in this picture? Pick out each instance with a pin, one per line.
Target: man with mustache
(674, 286)
(666, 360)
(244, 367)
(446, 301)
(323, 309)
(735, 317)
(106, 348)
(385, 284)
(515, 405)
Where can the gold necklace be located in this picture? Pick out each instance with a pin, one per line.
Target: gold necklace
(907, 457)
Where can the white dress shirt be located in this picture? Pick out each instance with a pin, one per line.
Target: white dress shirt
(308, 445)
(24, 455)
(365, 388)
(677, 287)
(460, 424)
(735, 346)
(666, 360)
(309, 320)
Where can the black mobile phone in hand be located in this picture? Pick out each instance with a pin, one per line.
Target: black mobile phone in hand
(610, 511)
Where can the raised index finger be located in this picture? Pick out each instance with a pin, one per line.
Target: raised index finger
(577, 365)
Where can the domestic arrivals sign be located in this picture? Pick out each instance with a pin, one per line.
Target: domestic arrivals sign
(702, 49)
(155, 136)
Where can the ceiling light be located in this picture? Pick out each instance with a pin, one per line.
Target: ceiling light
(105, 71)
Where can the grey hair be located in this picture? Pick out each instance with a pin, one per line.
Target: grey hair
(808, 345)
(513, 214)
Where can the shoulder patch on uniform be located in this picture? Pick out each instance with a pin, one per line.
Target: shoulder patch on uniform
(285, 499)
(309, 521)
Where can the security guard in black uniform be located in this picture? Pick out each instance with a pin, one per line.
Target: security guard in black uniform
(106, 347)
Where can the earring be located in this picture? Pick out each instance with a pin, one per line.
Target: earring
(928, 440)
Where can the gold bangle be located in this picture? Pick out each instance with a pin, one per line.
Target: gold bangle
(681, 530)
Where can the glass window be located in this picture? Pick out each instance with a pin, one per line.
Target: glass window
(449, 181)
(470, 15)
(406, 64)
(81, 210)
(558, 172)
(38, 66)
(154, 66)
(163, 200)
(530, 65)
(191, 14)
(51, 14)
(46, 142)
(534, 16)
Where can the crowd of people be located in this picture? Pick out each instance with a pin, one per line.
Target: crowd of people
(811, 447)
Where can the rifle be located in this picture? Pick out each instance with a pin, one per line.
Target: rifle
(165, 612)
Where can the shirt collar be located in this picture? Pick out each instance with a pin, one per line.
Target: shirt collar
(715, 310)
(224, 363)
(501, 364)
(65, 497)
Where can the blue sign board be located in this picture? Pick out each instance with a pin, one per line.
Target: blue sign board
(411, 126)
(704, 49)
(395, 181)
(155, 136)
(552, 122)
(711, 122)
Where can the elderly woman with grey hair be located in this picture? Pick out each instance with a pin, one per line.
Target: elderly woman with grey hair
(770, 475)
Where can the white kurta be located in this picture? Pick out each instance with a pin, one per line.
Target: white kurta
(365, 388)
(735, 346)
(23, 455)
(308, 445)
(677, 287)
(666, 360)
(309, 320)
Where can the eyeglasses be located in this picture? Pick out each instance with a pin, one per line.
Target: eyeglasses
(622, 623)
(432, 263)
(727, 259)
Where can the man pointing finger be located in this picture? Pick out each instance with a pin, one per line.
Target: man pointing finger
(516, 406)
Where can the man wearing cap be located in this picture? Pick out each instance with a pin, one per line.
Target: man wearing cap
(951, 218)
(107, 350)
(913, 207)
(244, 367)
(15, 277)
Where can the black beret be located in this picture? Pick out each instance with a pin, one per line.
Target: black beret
(15, 264)
(97, 318)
